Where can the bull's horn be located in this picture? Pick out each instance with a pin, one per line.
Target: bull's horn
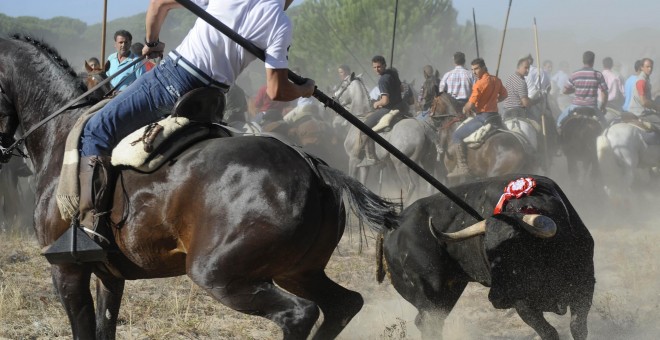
(539, 225)
(464, 234)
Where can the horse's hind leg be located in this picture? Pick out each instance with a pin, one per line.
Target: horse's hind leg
(72, 284)
(109, 292)
(296, 316)
(339, 305)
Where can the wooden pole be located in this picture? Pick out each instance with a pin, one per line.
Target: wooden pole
(396, 12)
(476, 40)
(335, 106)
(105, 16)
(506, 22)
(541, 94)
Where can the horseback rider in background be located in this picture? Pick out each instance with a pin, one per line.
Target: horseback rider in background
(390, 99)
(486, 93)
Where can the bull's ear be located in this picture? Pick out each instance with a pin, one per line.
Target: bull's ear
(107, 66)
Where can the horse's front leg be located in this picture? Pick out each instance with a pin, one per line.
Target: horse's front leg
(72, 284)
(109, 291)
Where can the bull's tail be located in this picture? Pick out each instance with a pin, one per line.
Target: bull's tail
(379, 213)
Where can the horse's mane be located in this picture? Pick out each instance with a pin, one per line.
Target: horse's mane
(47, 50)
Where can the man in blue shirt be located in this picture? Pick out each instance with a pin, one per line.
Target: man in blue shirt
(121, 58)
(630, 85)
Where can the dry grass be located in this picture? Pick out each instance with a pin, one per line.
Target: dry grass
(626, 303)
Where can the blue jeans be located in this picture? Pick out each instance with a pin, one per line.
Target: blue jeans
(562, 117)
(151, 97)
(472, 126)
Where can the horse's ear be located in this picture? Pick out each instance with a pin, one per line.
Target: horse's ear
(352, 76)
(87, 67)
(107, 65)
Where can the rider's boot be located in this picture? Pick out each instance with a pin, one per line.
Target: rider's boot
(96, 194)
(461, 168)
(370, 154)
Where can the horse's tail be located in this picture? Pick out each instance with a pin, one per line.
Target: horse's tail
(379, 213)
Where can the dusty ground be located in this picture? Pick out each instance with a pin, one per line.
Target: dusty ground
(626, 301)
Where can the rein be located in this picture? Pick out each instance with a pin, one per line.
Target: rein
(7, 152)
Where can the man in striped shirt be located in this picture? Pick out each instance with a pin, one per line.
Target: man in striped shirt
(585, 83)
(458, 82)
(516, 104)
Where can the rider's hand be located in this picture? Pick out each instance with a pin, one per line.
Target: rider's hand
(308, 88)
(154, 52)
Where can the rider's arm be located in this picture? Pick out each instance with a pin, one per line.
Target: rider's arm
(525, 101)
(155, 18)
(279, 88)
(384, 100)
(642, 89)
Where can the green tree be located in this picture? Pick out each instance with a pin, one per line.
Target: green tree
(328, 33)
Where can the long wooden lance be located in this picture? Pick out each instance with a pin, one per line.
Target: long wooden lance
(476, 40)
(506, 22)
(105, 17)
(396, 12)
(540, 84)
(334, 105)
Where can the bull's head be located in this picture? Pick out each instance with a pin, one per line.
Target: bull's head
(537, 225)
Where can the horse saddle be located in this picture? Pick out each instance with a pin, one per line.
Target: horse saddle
(515, 126)
(204, 104)
(148, 148)
(584, 111)
(195, 116)
(388, 121)
(476, 138)
(632, 119)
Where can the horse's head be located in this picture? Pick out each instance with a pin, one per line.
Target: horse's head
(95, 75)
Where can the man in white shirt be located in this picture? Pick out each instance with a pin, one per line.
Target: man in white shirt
(205, 58)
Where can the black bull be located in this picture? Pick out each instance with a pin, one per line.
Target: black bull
(532, 274)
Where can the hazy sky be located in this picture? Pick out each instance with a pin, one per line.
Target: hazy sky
(602, 16)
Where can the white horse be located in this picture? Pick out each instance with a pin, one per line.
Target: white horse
(624, 155)
(354, 97)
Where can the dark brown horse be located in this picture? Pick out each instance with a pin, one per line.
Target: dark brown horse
(500, 154)
(95, 75)
(246, 218)
(578, 143)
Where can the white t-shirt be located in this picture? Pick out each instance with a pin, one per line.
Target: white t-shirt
(263, 22)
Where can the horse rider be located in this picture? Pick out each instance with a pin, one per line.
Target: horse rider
(629, 85)
(389, 86)
(614, 85)
(641, 104)
(121, 58)
(486, 93)
(537, 89)
(585, 83)
(516, 103)
(205, 58)
(458, 82)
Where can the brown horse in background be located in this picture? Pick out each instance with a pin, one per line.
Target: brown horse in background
(248, 219)
(502, 153)
(95, 75)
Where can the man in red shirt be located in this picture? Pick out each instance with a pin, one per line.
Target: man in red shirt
(487, 91)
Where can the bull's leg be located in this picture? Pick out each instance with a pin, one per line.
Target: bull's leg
(534, 318)
(431, 317)
(338, 304)
(295, 316)
(72, 284)
(108, 300)
(580, 307)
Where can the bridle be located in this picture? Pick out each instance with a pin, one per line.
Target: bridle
(6, 153)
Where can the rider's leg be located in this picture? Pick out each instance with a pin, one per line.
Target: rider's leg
(459, 148)
(96, 192)
(564, 114)
(370, 148)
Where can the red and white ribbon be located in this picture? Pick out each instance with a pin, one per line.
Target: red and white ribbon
(515, 189)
